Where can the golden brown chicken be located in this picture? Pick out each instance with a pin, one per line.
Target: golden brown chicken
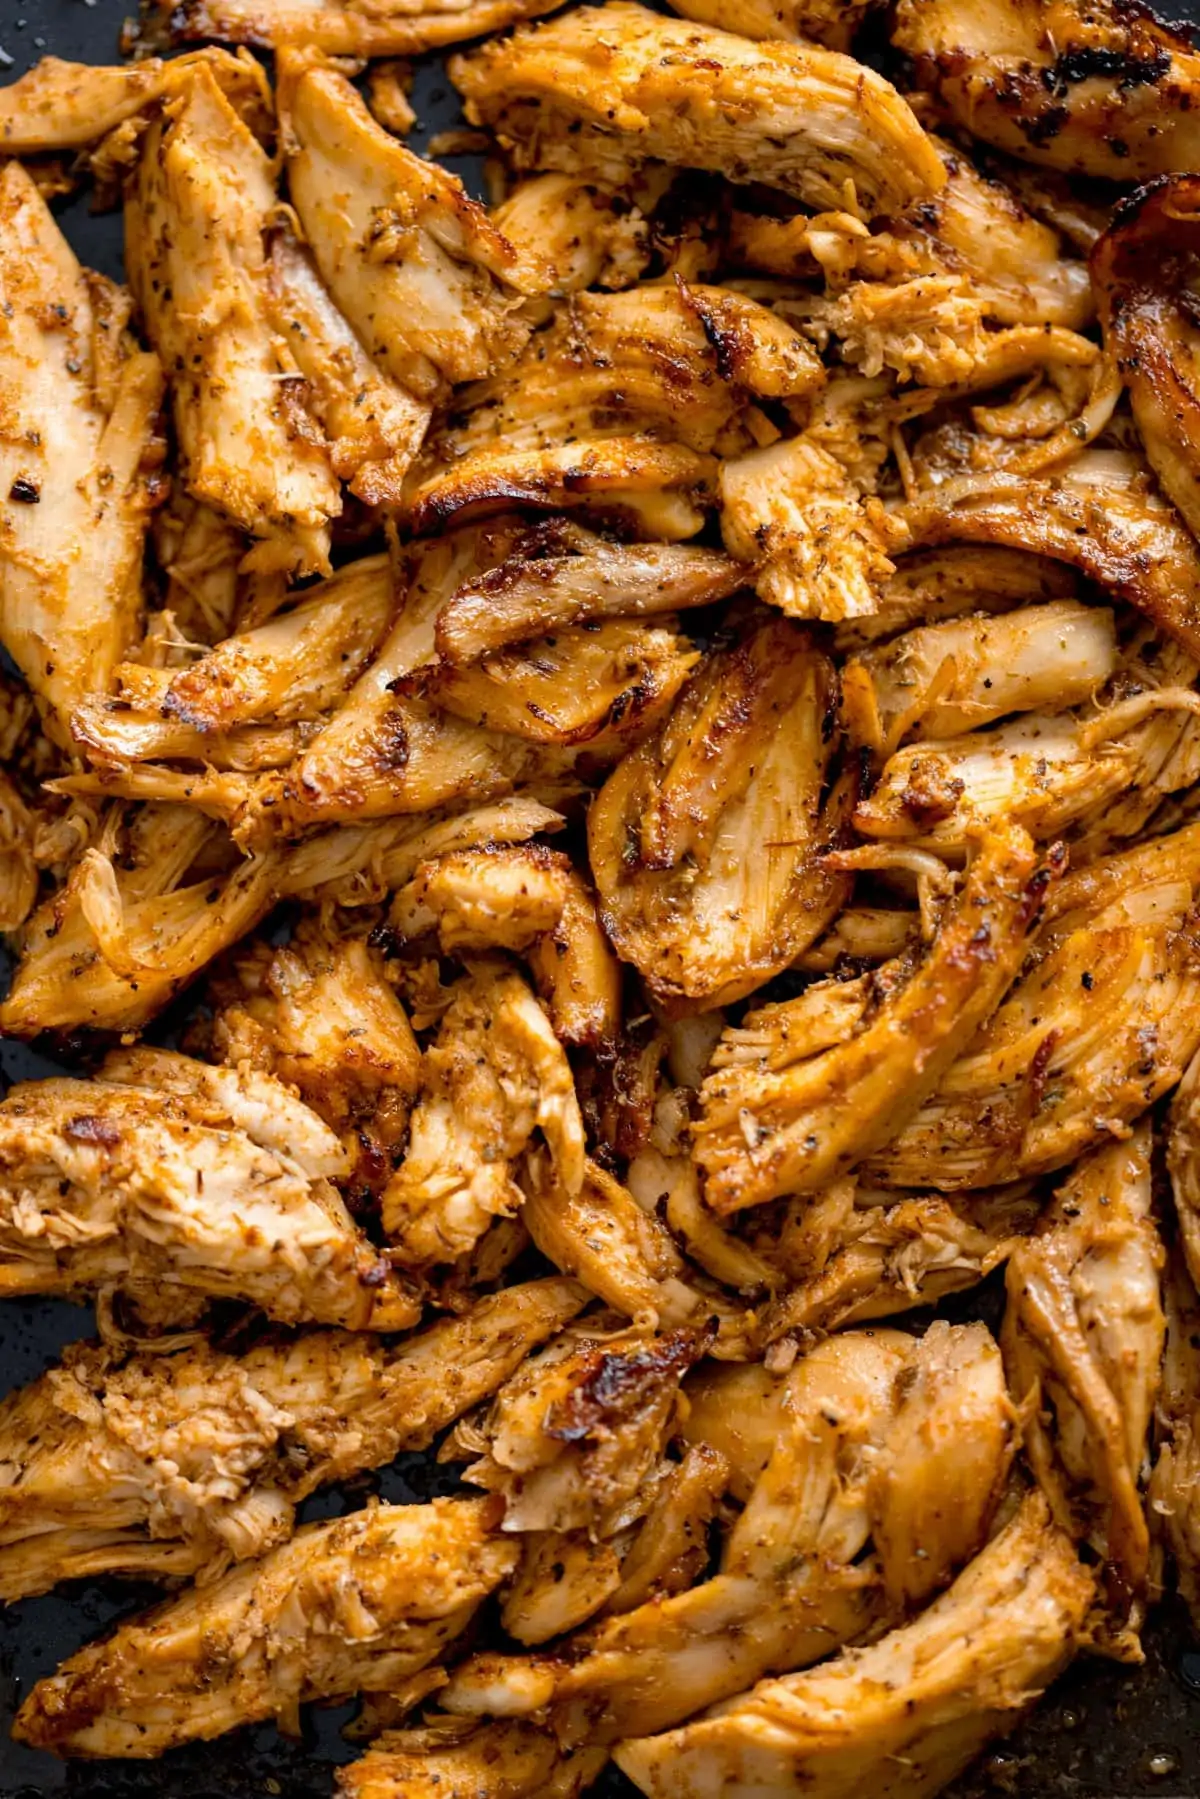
(345, 27)
(351, 1606)
(1083, 1336)
(452, 1758)
(605, 89)
(58, 105)
(900, 1719)
(586, 234)
(167, 1179)
(78, 460)
(163, 1465)
(1173, 1496)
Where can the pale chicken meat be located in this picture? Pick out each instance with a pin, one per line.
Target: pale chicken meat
(494, 1075)
(603, 90)
(588, 235)
(166, 1179)
(807, 1090)
(1088, 89)
(452, 1758)
(164, 1465)
(79, 460)
(1102, 1022)
(1083, 1334)
(425, 278)
(351, 1606)
(899, 1719)
(677, 833)
(194, 229)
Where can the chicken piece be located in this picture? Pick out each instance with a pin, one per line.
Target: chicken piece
(1101, 1023)
(124, 934)
(163, 1465)
(588, 235)
(451, 1758)
(1142, 268)
(939, 680)
(558, 574)
(892, 1254)
(899, 1719)
(1173, 1496)
(350, 1606)
(526, 898)
(677, 834)
(199, 552)
(795, 1579)
(78, 405)
(670, 1550)
(195, 219)
(793, 511)
(1100, 514)
(320, 1014)
(833, 23)
(1083, 1333)
(495, 1074)
(59, 105)
(739, 1411)
(417, 267)
(373, 425)
(351, 28)
(1183, 1157)
(798, 1113)
(19, 878)
(620, 396)
(931, 586)
(164, 1178)
(600, 91)
(1089, 90)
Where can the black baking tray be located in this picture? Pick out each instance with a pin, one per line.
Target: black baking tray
(1103, 1733)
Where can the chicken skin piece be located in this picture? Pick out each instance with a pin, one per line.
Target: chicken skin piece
(353, 1606)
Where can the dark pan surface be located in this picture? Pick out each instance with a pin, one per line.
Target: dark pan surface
(1105, 1732)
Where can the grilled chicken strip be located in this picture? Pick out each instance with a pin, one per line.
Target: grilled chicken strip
(1083, 1334)
(59, 105)
(1090, 90)
(79, 405)
(703, 843)
(1183, 1161)
(794, 1579)
(903, 1717)
(809, 1088)
(417, 267)
(1173, 1496)
(620, 398)
(588, 235)
(165, 1178)
(605, 89)
(355, 28)
(194, 230)
(1102, 1022)
(494, 1075)
(19, 878)
(1143, 269)
(452, 1758)
(833, 23)
(163, 1465)
(352, 1606)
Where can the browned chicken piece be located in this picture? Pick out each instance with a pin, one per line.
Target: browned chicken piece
(416, 266)
(1183, 1160)
(887, 1255)
(144, 909)
(78, 459)
(618, 403)
(1143, 269)
(899, 1719)
(320, 1014)
(61, 105)
(1078, 207)
(944, 679)
(19, 876)
(559, 574)
(603, 90)
(345, 27)
(164, 1465)
(347, 1607)
(860, 936)
(532, 900)
(1090, 90)
(833, 23)
(453, 1758)
(1100, 514)
(795, 1579)
(494, 1075)
(199, 552)
(808, 1089)
(195, 219)
(165, 1178)
(1083, 1336)
(738, 1410)
(586, 234)
(1173, 1496)
(931, 586)
(677, 835)
(1103, 1021)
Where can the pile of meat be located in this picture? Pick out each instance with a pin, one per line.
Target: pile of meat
(657, 721)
